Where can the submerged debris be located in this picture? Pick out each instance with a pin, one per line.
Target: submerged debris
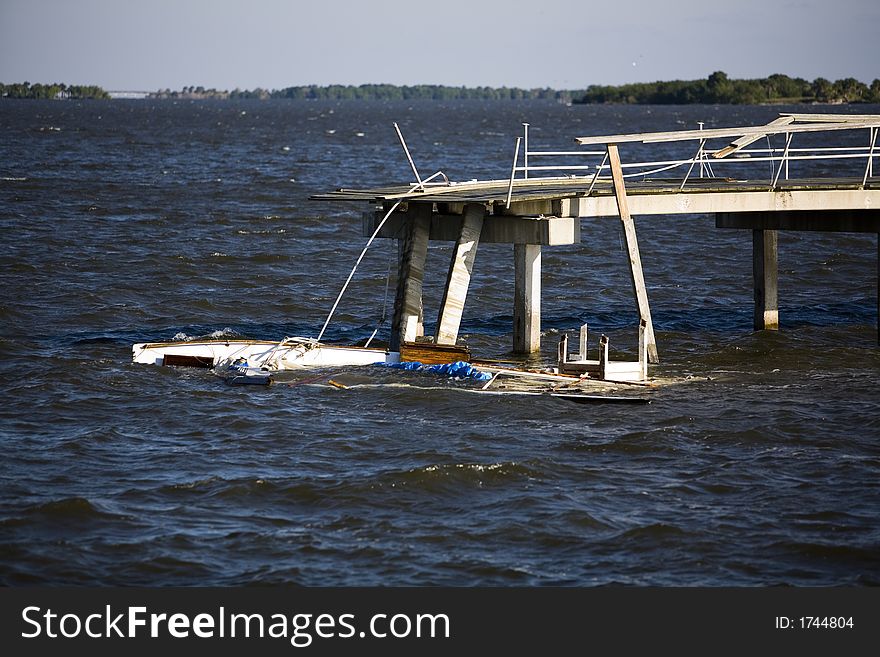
(456, 370)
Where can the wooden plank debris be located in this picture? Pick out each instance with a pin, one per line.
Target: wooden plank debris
(603, 357)
(604, 369)
(562, 351)
(433, 354)
(742, 142)
(576, 397)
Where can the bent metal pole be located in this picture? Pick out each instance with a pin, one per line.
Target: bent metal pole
(408, 156)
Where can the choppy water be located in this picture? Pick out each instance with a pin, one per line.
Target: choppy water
(126, 221)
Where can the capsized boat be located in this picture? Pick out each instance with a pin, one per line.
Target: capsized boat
(291, 353)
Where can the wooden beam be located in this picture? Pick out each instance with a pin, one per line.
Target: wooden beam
(632, 247)
(603, 357)
(459, 277)
(832, 118)
(527, 298)
(713, 133)
(433, 354)
(742, 142)
(765, 271)
(562, 351)
(407, 323)
(643, 352)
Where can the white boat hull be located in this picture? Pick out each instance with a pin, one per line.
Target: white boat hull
(275, 356)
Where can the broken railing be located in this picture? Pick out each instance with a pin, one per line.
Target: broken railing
(706, 159)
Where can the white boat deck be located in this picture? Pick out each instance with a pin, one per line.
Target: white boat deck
(291, 353)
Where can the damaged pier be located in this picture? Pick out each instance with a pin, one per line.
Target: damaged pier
(533, 210)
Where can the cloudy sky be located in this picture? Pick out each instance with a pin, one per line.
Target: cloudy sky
(563, 44)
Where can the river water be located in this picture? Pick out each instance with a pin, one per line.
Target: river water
(127, 221)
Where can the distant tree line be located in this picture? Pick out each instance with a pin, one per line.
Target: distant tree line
(192, 92)
(56, 90)
(716, 89)
(373, 92)
(417, 92)
(719, 89)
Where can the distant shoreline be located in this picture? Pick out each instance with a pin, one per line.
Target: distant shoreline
(714, 90)
(718, 89)
(57, 90)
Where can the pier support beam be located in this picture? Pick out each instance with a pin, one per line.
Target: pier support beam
(632, 247)
(764, 227)
(460, 267)
(527, 298)
(407, 323)
(765, 270)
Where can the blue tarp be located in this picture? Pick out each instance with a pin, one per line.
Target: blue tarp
(457, 370)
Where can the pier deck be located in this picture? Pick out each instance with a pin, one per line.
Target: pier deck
(567, 197)
(551, 189)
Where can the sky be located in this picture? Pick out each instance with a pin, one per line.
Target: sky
(563, 44)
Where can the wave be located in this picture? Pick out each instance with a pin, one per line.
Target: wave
(77, 510)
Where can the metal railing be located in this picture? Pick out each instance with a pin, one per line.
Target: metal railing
(779, 159)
